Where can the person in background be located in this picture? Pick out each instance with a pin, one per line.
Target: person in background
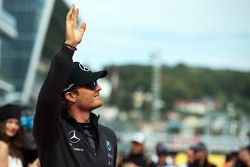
(120, 157)
(162, 154)
(29, 149)
(243, 158)
(231, 159)
(11, 137)
(137, 156)
(190, 157)
(200, 156)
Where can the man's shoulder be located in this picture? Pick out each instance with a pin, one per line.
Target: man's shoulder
(106, 129)
(103, 127)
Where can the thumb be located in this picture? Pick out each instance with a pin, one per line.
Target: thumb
(83, 27)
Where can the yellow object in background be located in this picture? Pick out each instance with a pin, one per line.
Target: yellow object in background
(217, 159)
(180, 159)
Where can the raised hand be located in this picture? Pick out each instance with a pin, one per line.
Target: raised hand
(73, 34)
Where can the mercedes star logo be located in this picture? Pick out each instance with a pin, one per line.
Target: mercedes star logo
(72, 137)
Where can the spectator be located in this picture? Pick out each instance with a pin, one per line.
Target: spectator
(11, 137)
(190, 157)
(29, 149)
(137, 157)
(162, 154)
(120, 157)
(200, 156)
(243, 158)
(230, 159)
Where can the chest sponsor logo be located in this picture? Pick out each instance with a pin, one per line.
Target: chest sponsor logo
(83, 68)
(73, 137)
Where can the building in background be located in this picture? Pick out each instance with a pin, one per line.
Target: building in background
(8, 32)
(54, 38)
(29, 30)
(16, 53)
(8, 27)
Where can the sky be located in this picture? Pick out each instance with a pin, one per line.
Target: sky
(203, 33)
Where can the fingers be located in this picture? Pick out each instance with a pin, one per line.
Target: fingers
(75, 17)
(74, 34)
(76, 14)
(83, 27)
(71, 12)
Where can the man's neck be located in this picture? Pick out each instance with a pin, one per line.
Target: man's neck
(80, 116)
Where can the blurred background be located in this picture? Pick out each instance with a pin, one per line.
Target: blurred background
(179, 71)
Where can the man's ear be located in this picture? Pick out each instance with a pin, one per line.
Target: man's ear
(71, 97)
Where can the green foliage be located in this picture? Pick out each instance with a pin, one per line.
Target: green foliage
(183, 82)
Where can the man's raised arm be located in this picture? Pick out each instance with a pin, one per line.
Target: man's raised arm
(46, 120)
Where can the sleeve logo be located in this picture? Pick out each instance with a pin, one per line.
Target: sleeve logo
(109, 145)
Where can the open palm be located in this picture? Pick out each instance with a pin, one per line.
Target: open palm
(73, 34)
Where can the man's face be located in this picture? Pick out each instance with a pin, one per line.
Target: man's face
(190, 155)
(244, 155)
(88, 99)
(199, 155)
(162, 158)
(137, 148)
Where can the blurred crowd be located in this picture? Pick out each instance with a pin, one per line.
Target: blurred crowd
(16, 137)
(197, 156)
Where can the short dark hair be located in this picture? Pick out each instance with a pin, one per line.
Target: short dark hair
(65, 104)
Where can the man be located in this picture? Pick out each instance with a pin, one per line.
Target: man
(66, 131)
(231, 159)
(162, 154)
(243, 159)
(200, 156)
(190, 157)
(137, 157)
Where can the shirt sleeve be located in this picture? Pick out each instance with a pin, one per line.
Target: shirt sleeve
(46, 120)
